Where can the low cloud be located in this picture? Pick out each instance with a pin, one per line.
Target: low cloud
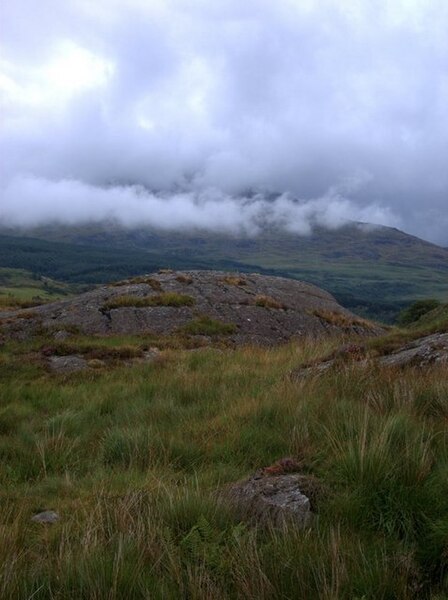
(225, 115)
(30, 201)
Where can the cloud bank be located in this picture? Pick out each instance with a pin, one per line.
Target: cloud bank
(226, 115)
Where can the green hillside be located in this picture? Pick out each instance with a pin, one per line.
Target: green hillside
(373, 271)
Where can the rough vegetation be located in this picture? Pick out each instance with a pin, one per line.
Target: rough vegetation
(129, 463)
(172, 466)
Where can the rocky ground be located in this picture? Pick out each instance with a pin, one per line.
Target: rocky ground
(245, 309)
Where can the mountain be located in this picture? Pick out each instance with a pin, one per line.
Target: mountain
(373, 270)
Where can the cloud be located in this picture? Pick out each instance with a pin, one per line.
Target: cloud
(223, 115)
(31, 201)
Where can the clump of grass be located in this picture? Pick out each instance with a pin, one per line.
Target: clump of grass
(164, 299)
(205, 325)
(234, 280)
(154, 283)
(184, 279)
(94, 351)
(13, 303)
(269, 302)
(339, 319)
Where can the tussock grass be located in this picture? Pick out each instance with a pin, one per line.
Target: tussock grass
(269, 302)
(234, 280)
(205, 325)
(131, 457)
(153, 283)
(341, 320)
(164, 299)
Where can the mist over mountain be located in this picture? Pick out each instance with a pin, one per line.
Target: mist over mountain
(165, 113)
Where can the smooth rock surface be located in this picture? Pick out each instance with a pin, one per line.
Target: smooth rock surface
(263, 309)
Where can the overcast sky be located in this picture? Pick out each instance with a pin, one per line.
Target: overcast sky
(184, 113)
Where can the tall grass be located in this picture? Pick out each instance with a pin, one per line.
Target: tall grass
(131, 459)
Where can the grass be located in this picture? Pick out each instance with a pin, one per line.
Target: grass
(131, 458)
(341, 320)
(205, 325)
(268, 302)
(234, 280)
(164, 299)
(153, 283)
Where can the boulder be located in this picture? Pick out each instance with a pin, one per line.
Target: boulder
(46, 516)
(272, 496)
(67, 364)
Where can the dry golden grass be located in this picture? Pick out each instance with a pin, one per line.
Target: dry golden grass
(339, 319)
(234, 280)
(269, 302)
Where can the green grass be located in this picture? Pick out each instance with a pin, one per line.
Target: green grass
(131, 459)
(205, 325)
(22, 289)
(163, 299)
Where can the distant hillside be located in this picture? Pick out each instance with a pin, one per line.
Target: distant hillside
(374, 271)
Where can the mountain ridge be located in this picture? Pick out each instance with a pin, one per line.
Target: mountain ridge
(373, 270)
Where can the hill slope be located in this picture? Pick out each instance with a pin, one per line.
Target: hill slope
(373, 270)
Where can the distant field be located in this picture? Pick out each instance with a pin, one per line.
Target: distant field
(20, 287)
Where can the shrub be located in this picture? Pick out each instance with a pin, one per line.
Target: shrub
(416, 310)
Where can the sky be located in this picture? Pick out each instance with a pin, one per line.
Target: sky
(225, 115)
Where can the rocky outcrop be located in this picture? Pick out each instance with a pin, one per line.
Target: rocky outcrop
(422, 352)
(243, 308)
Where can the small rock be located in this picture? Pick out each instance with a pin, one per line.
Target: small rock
(271, 499)
(61, 335)
(67, 364)
(46, 516)
(151, 354)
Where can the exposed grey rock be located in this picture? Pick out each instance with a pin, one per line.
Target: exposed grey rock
(271, 500)
(61, 335)
(422, 352)
(47, 516)
(264, 309)
(312, 371)
(425, 351)
(67, 364)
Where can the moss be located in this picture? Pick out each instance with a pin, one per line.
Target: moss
(207, 326)
(164, 299)
(154, 283)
